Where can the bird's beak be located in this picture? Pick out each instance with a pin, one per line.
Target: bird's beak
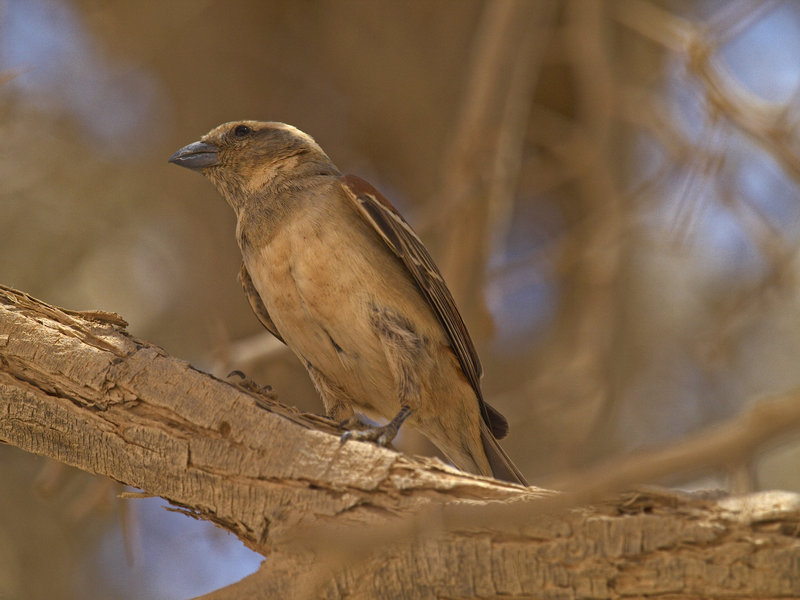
(196, 156)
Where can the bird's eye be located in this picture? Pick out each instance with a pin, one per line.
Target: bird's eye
(241, 130)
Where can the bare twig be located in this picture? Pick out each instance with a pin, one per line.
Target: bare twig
(482, 164)
(716, 447)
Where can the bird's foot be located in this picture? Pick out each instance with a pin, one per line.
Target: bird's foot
(381, 435)
(243, 382)
(354, 422)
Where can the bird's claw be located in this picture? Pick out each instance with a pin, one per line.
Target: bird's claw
(242, 381)
(382, 436)
(353, 422)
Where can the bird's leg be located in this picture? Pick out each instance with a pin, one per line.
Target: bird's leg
(339, 407)
(403, 348)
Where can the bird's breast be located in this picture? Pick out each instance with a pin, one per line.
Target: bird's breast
(318, 284)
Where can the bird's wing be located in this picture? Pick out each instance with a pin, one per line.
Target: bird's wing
(256, 304)
(405, 244)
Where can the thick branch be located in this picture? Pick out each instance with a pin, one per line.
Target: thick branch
(84, 392)
(89, 395)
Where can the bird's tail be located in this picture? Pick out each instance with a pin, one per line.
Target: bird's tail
(500, 463)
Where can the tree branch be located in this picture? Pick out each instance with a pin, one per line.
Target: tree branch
(336, 520)
(482, 163)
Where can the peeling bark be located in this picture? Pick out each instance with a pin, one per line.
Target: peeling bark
(355, 520)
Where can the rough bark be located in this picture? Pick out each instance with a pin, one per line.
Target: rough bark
(355, 520)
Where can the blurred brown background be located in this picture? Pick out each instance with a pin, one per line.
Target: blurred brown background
(610, 187)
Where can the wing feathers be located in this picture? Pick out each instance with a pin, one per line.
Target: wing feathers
(402, 240)
(256, 303)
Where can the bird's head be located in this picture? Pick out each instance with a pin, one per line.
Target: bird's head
(243, 157)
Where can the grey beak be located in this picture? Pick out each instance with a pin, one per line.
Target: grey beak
(196, 156)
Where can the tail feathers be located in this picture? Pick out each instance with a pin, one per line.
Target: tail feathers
(500, 463)
(497, 423)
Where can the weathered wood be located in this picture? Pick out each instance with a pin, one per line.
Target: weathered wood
(355, 520)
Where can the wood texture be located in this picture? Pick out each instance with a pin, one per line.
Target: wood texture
(355, 520)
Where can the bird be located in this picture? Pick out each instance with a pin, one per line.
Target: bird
(333, 270)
